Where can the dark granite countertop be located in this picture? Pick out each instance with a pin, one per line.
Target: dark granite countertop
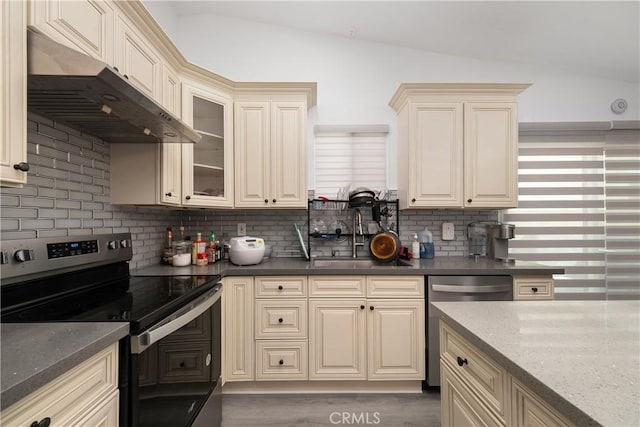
(34, 354)
(298, 266)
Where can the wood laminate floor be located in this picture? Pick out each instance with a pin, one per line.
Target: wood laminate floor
(388, 410)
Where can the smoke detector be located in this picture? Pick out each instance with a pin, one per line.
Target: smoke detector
(619, 106)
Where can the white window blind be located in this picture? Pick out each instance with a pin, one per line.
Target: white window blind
(350, 155)
(560, 219)
(622, 187)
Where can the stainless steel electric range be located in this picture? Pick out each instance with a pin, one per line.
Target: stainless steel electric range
(169, 365)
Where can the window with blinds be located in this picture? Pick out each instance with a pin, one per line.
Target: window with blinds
(350, 155)
(622, 210)
(579, 204)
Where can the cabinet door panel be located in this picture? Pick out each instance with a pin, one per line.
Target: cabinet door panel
(337, 340)
(137, 60)
(85, 25)
(13, 84)
(436, 155)
(288, 157)
(252, 152)
(395, 331)
(171, 172)
(238, 329)
(491, 154)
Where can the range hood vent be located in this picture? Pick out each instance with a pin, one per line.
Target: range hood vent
(93, 97)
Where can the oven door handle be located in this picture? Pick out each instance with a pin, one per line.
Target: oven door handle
(140, 343)
(468, 289)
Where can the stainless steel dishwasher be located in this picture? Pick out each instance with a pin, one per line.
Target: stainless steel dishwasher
(458, 288)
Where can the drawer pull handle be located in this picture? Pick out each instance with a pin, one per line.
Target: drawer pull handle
(280, 287)
(281, 362)
(274, 200)
(280, 320)
(371, 308)
(362, 307)
(23, 167)
(462, 361)
(534, 289)
(413, 200)
(266, 200)
(469, 200)
(168, 194)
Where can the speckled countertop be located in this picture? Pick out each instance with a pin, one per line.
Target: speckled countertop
(33, 354)
(296, 266)
(582, 357)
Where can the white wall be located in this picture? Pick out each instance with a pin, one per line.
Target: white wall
(356, 79)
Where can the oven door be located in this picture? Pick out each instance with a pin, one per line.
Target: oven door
(175, 365)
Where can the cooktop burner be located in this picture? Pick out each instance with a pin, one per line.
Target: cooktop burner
(138, 300)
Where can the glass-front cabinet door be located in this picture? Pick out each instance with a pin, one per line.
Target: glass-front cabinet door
(207, 166)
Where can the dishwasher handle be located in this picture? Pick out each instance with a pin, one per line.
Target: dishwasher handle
(471, 289)
(140, 343)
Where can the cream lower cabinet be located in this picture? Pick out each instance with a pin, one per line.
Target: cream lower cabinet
(87, 395)
(238, 349)
(457, 145)
(476, 391)
(13, 85)
(372, 337)
(281, 328)
(271, 149)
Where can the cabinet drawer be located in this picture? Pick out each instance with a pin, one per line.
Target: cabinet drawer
(460, 407)
(336, 286)
(184, 362)
(281, 319)
(287, 286)
(395, 286)
(69, 397)
(479, 372)
(532, 288)
(281, 360)
(528, 410)
(104, 415)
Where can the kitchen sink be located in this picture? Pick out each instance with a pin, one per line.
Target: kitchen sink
(357, 263)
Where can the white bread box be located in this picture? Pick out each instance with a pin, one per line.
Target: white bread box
(246, 250)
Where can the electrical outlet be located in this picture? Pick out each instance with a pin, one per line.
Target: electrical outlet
(242, 229)
(448, 231)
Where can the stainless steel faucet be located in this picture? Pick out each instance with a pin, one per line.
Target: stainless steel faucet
(357, 228)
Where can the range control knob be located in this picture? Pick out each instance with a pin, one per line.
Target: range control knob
(23, 255)
(125, 243)
(113, 244)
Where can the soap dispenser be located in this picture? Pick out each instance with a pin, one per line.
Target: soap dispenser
(415, 247)
(426, 244)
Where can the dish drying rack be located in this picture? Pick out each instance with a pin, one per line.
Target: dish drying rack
(326, 216)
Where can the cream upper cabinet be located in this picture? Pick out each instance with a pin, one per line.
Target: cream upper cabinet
(207, 166)
(137, 59)
(271, 148)
(238, 353)
(85, 25)
(457, 145)
(13, 81)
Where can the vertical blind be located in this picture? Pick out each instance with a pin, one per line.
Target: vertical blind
(356, 157)
(622, 188)
(579, 208)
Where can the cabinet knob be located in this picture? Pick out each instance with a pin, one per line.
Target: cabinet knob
(43, 423)
(280, 320)
(274, 200)
(182, 364)
(371, 307)
(22, 166)
(469, 200)
(281, 362)
(534, 289)
(362, 307)
(125, 76)
(413, 200)
(168, 194)
(280, 287)
(187, 197)
(461, 361)
(266, 200)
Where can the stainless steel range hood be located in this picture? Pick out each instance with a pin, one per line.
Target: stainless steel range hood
(93, 97)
